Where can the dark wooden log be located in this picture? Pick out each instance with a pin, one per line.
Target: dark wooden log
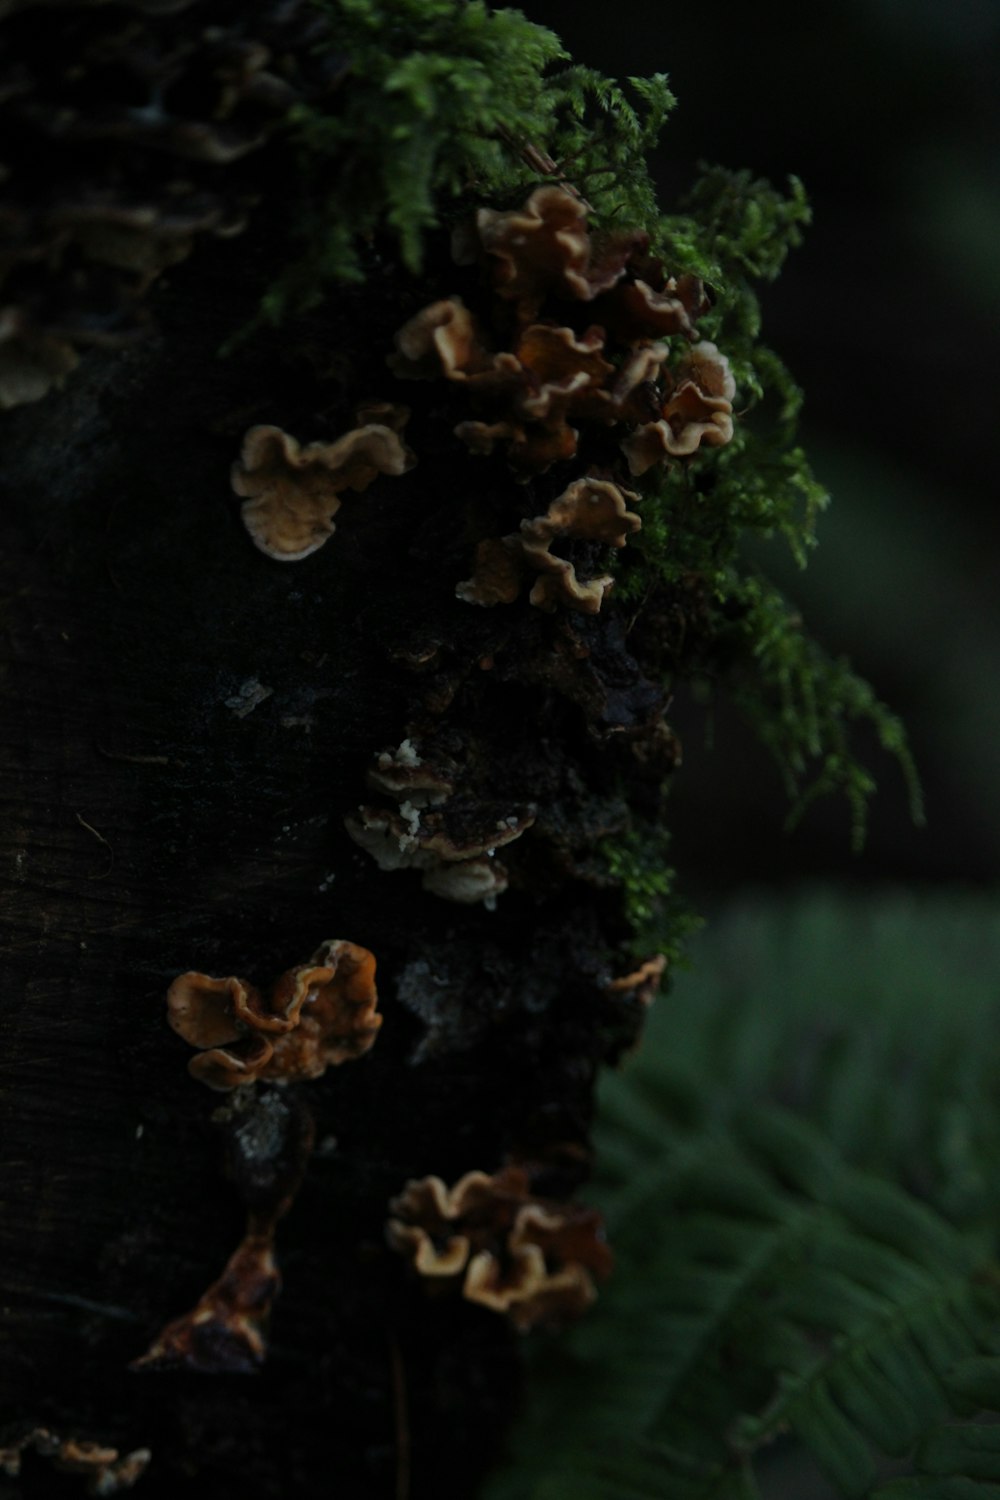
(157, 817)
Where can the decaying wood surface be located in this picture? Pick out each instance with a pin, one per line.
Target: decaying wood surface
(185, 724)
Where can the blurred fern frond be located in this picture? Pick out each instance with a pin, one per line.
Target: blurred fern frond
(800, 1177)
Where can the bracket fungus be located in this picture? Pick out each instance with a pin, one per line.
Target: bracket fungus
(698, 409)
(533, 394)
(643, 984)
(439, 827)
(532, 1259)
(317, 1015)
(224, 1333)
(588, 511)
(292, 493)
(269, 1138)
(545, 248)
(106, 1472)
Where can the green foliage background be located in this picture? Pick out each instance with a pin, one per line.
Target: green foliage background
(801, 1176)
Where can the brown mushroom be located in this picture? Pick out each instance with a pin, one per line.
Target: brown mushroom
(426, 1215)
(468, 881)
(105, 1471)
(588, 510)
(316, 1016)
(561, 365)
(224, 1333)
(698, 410)
(442, 339)
(545, 247)
(439, 827)
(591, 510)
(531, 1259)
(292, 493)
(401, 773)
(525, 1290)
(269, 1139)
(636, 310)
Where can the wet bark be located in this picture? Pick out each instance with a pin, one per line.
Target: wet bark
(151, 825)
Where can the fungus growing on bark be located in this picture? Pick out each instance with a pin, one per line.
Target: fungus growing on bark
(532, 397)
(106, 1473)
(468, 881)
(545, 248)
(292, 493)
(588, 510)
(530, 1258)
(439, 827)
(643, 984)
(316, 1016)
(225, 1331)
(269, 1140)
(698, 409)
(442, 339)
(497, 573)
(528, 391)
(636, 310)
(401, 773)
(456, 857)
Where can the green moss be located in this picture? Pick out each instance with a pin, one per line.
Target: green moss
(638, 862)
(446, 103)
(700, 518)
(443, 101)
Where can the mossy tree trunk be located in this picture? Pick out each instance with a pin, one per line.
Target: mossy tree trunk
(152, 824)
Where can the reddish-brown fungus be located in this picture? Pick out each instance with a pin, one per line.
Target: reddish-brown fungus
(316, 1015)
(532, 1259)
(698, 410)
(588, 510)
(224, 1333)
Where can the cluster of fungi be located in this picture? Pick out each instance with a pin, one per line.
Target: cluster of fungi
(583, 350)
(580, 352)
(576, 331)
(106, 1471)
(315, 1016)
(581, 340)
(527, 1257)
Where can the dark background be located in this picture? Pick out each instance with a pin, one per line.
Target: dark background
(887, 316)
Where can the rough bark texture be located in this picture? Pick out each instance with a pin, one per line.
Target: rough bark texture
(149, 828)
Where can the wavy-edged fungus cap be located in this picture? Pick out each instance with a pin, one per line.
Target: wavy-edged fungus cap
(545, 247)
(698, 410)
(531, 1259)
(468, 881)
(293, 493)
(317, 1015)
(442, 339)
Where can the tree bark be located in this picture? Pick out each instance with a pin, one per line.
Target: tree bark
(159, 818)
